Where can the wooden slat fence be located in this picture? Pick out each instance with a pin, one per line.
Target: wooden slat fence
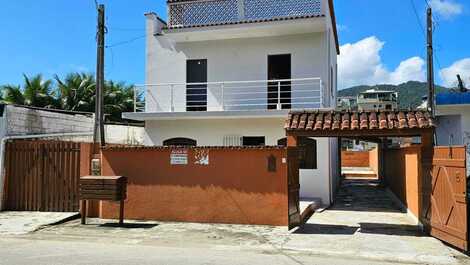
(42, 176)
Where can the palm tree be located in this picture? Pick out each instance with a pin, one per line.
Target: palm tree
(36, 92)
(118, 98)
(12, 94)
(76, 92)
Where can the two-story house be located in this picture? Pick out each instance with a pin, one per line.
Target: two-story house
(226, 73)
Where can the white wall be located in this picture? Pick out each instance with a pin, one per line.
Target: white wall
(229, 60)
(458, 129)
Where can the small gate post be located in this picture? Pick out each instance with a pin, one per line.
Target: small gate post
(425, 180)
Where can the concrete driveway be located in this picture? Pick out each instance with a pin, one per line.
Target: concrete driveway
(366, 222)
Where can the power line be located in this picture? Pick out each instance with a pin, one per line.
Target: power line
(418, 18)
(125, 42)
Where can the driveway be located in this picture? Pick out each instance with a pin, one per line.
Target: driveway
(366, 222)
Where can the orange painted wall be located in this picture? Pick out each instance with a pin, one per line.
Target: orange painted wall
(354, 158)
(374, 160)
(235, 187)
(402, 173)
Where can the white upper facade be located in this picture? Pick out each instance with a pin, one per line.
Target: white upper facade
(223, 57)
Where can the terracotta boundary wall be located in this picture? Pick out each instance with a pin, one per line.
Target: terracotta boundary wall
(402, 169)
(234, 187)
(355, 158)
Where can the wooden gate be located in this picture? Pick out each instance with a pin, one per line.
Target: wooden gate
(42, 176)
(293, 186)
(446, 205)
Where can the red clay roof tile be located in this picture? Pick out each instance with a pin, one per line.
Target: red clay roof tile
(354, 120)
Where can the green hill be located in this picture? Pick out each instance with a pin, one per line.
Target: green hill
(410, 94)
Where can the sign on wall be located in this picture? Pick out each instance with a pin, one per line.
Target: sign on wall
(179, 157)
(201, 157)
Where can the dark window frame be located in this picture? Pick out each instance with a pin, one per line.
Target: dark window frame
(179, 141)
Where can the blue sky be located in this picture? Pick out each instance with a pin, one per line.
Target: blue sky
(382, 41)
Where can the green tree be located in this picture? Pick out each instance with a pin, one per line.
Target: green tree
(118, 98)
(36, 91)
(76, 92)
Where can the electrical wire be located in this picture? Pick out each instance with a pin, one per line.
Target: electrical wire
(125, 42)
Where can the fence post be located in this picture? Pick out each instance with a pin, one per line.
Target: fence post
(279, 95)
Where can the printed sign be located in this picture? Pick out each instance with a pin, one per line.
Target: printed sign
(179, 157)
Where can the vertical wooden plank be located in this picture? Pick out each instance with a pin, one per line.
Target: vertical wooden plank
(34, 159)
(47, 153)
(29, 175)
(54, 171)
(66, 155)
(17, 179)
(8, 177)
(43, 189)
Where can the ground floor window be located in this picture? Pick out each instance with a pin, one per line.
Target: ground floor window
(180, 141)
(253, 140)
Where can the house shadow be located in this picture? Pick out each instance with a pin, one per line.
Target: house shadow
(364, 228)
(129, 225)
(324, 229)
(391, 229)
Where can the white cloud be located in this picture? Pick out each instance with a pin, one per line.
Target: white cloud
(360, 64)
(446, 8)
(449, 74)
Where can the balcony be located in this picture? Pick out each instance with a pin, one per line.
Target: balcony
(193, 13)
(253, 97)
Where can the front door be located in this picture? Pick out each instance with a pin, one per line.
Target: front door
(196, 95)
(445, 197)
(279, 93)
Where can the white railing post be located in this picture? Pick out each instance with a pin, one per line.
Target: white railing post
(172, 105)
(135, 99)
(279, 95)
(223, 96)
(321, 94)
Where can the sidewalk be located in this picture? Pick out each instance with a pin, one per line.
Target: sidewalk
(17, 223)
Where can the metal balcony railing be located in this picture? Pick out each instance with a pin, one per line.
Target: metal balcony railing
(204, 12)
(305, 93)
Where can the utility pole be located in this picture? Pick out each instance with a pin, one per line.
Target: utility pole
(430, 62)
(98, 133)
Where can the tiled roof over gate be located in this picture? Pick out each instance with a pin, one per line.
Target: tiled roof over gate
(354, 120)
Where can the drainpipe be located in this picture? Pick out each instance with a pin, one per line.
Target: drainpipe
(33, 136)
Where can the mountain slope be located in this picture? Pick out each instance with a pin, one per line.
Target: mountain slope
(409, 94)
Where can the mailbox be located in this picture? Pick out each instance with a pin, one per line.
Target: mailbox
(103, 188)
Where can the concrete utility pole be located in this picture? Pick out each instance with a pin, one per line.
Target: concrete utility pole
(430, 62)
(98, 134)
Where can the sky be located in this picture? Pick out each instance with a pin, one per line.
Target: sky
(381, 41)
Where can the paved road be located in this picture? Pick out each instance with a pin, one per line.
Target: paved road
(27, 251)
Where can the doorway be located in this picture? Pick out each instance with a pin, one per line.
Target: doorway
(196, 95)
(279, 93)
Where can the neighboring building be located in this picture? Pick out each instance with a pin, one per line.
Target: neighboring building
(453, 119)
(226, 73)
(347, 103)
(377, 100)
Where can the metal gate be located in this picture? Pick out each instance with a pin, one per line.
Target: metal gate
(446, 205)
(42, 176)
